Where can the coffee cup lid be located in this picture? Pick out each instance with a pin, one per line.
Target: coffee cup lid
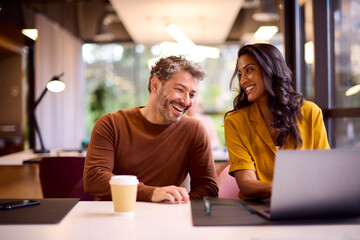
(124, 180)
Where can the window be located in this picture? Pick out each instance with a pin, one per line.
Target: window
(336, 63)
(118, 74)
(347, 53)
(347, 71)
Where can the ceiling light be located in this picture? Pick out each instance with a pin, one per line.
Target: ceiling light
(265, 32)
(185, 46)
(193, 53)
(31, 33)
(353, 90)
(179, 35)
(209, 52)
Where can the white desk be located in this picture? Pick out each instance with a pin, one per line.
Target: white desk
(95, 220)
(17, 159)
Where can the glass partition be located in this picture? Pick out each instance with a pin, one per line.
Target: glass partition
(347, 53)
(347, 71)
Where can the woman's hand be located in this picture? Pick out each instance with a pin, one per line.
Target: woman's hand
(250, 186)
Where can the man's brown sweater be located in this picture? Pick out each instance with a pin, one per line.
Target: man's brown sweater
(125, 142)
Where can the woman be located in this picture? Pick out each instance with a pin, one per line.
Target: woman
(268, 115)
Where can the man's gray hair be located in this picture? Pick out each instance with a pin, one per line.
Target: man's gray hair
(167, 66)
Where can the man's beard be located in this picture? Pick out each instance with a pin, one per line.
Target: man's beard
(163, 104)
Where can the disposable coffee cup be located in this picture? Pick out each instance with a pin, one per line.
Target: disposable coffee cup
(123, 192)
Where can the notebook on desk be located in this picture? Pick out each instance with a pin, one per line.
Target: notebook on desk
(49, 211)
(313, 184)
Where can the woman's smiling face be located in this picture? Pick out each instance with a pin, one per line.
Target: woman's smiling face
(251, 78)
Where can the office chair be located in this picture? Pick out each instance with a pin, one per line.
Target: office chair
(59, 175)
(79, 192)
(228, 187)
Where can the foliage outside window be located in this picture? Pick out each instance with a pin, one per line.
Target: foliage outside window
(117, 78)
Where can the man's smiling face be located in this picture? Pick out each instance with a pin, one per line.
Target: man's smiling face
(176, 96)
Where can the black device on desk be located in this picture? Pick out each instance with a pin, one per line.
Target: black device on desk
(18, 204)
(48, 211)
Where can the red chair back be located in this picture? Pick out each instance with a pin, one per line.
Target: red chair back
(79, 192)
(59, 175)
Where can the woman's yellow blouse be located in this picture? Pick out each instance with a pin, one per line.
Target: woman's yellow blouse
(250, 145)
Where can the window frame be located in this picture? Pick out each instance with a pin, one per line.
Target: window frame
(324, 58)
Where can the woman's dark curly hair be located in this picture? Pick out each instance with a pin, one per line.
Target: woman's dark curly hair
(283, 101)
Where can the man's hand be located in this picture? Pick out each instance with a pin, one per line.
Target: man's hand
(171, 193)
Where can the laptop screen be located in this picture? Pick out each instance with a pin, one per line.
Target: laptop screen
(316, 183)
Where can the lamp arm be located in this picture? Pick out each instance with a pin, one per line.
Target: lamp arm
(43, 150)
(60, 75)
(41, 96)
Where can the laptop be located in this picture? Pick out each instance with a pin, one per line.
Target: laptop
(313, 184)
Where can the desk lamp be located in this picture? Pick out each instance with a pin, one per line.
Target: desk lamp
(54, 85)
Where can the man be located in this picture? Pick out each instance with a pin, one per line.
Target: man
(156, 142)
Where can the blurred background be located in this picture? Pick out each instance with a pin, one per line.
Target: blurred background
(106, 48)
